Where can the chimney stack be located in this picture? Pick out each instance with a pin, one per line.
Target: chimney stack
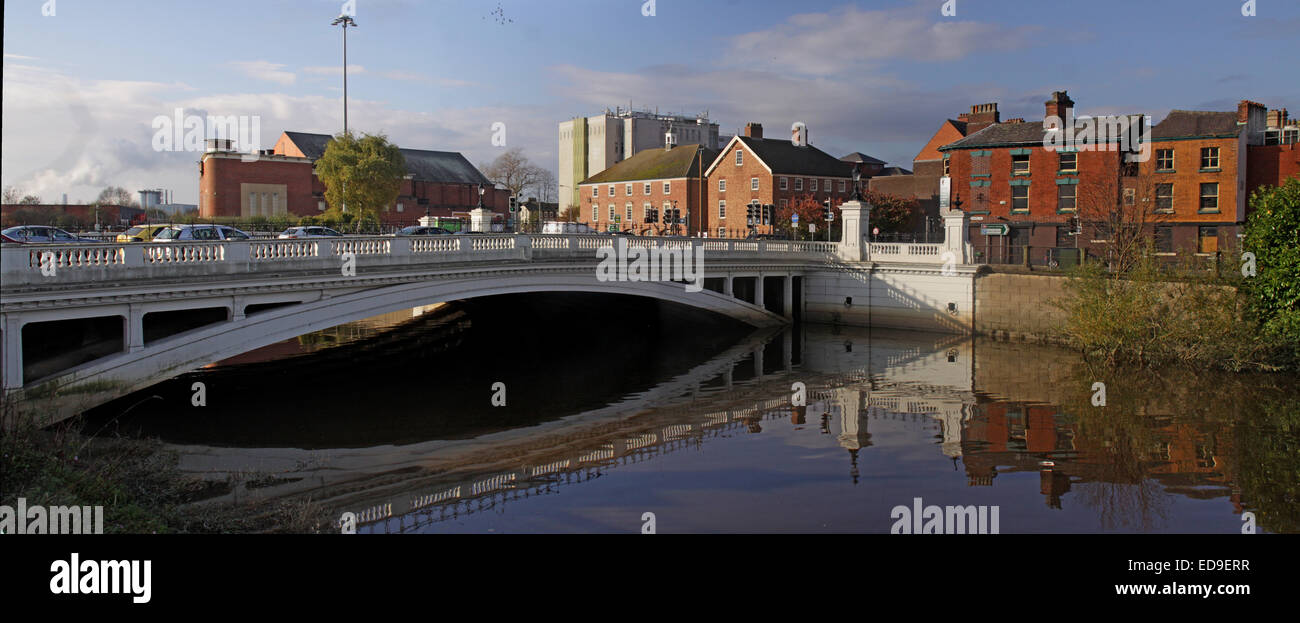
(1247, 109)
(670, 141)
(1059, 106)
(754, 130)
(981, 116)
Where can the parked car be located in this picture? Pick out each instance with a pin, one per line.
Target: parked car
(420, 230)
(311, 231)
(42, 234)
(141, 233)
(200, 232)
(754, 236)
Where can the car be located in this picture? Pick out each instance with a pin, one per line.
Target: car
(310, 231)
(141, 233)
(754, 236)
(420, 230)
(626, 232)
(200, 232)
(42, 234)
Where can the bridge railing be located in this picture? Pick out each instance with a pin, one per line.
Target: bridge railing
(918, 253)
(24, 265)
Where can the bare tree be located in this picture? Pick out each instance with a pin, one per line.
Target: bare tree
(12, 194)
(116, 195)
(1123, 212)
(515, 172)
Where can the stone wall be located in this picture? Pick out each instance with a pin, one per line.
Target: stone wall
(1019, 306)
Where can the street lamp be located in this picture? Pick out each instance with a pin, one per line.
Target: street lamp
(345, 20)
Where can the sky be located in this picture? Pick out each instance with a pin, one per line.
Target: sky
(85, 81)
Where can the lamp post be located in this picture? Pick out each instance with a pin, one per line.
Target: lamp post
(345, 20)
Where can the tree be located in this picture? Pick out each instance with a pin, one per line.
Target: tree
(517, 173)
(890, 213)
(1123, 211)
(1272, 234)
(12, 195)
(361, 175)
(116, 195)
(809, 209)
(30, 200)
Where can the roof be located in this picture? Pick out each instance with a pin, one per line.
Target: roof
(1001, 134)
(785, 158)
(1182, 123)
(655, 164)
(858, 157)
(424, 165)
(888, 171)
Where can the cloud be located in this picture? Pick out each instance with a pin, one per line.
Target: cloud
(333, 70)
(265, 70)
(420, 77)
(821, 44)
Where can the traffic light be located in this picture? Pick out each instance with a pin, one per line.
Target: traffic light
(769, 214)
(749, 214)
(514, 203)
(826, 210)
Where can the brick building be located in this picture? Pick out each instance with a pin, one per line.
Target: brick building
(626, 195)
(1191, 191)
(282, 181)
(74, 216)
(753, 170)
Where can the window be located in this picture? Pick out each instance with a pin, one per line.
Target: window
(1164, 160)
(1164, 239)
(595, 212)
(628, 209)
(1164, 198)
(1020, 198)
(647, 188)
(1210, 197)
(947, 166)
(645, 212)
(753, 183)
(1020, 164)
(722, 186)
(722, 208)
(740, 158)
(612, 213)
(784, 203)
(1209, 157)
(785, 183)
(1065, 194)
(595, 191)
(722, 232)
(843, 185)
(813, 185)
(611, 190)
(668, 188)
(627, 189)
(798, 183)
(1069, 161)
(400, 207)
(1130, 196)
(1209, 240)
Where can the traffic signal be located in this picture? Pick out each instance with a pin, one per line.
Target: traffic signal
(826, 210)
(514, 203)
(769, 214)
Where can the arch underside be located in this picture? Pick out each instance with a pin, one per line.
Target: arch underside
(94, 383)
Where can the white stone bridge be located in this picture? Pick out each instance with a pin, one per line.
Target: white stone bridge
(162, 309)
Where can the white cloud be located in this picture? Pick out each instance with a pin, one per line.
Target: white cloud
(334, 70)
(420, 77)
(265, 70)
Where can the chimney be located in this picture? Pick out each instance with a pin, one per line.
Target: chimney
(981, 116)
(963, 117)
(1059, 106)
(1247, 109)
(670, 141)
(1277, 118)
(1016, 120)
(754, 130)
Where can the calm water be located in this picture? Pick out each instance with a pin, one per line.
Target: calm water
(633, 408)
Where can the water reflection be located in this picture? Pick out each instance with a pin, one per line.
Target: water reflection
(712, 444)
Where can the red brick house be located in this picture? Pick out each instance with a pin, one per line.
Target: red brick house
(753, 170)
(282, 182)
(631, 194)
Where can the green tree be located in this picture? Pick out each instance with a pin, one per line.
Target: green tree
(891, 213)
(361, 175)
(1272, 233)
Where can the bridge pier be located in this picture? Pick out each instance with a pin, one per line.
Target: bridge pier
(133, 329)
(759, 299)
(729, 288)
(13, 352)
(787, 297)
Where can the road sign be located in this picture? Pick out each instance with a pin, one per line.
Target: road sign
(812, 228)
(830, 216)
(794, 219)
(994, 230)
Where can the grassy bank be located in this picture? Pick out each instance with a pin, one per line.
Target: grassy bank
(137, 483)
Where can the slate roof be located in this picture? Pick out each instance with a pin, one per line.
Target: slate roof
(858, 157)
(426, 166)
(888, 171)
(655, 164)
(784, 158)
(1183, 123)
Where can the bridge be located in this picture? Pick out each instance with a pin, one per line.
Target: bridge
(140, 313)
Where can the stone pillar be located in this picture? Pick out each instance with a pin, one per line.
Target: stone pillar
(728, 287)
(787, 296)
(480, 219)
(956, 231)
(758, 290)
(855, 222)
(134, 334)
(13, 352)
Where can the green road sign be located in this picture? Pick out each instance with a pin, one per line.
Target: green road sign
(994, 230)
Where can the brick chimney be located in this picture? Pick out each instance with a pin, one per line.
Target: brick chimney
(1277, 118)
(754, 130)
(1247, 109)
(981, 116)
(1059, 105)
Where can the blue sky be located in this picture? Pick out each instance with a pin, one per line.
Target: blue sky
(82, 87)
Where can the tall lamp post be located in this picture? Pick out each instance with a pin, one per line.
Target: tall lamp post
(345, 20)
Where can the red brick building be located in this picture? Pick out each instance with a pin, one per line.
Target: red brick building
(753, 170)
(627, 195)
(75, 216)
(282, 182)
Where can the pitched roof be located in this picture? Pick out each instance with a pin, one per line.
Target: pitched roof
(784, 157)
(888, 171)
(858, 157)
(655, 164)
(1001, 134)
(424, 165)
(1181, 123)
